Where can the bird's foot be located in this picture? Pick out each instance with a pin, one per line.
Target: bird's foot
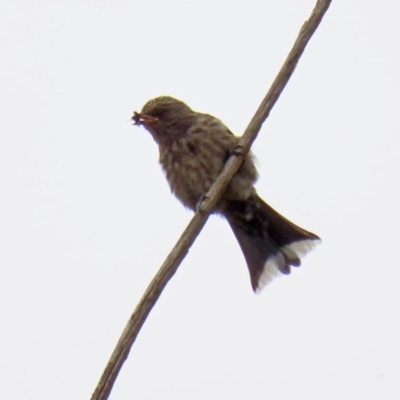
(200, 203)
(237, 151)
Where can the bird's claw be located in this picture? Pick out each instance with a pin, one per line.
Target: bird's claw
(199, 205)
(237, 151)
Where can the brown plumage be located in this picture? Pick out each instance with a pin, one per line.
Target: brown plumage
(193, 150)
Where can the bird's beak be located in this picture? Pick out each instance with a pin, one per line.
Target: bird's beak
(141, 118)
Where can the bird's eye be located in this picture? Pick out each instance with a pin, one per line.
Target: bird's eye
(159, 112)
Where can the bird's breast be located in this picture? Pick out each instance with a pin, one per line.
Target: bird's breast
(190, 168)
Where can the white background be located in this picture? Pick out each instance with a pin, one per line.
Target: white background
(86, 217)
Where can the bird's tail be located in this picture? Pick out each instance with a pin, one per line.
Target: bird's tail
(270, 243)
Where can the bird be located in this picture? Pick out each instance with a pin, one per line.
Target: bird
(193, 149)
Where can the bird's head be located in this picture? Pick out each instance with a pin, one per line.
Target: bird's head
(165, 118)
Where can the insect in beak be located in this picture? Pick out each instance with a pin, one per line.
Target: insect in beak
(143, 119)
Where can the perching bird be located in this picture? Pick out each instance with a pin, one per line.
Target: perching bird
(193, 150)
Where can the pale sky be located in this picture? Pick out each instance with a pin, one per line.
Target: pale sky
(86, 216)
